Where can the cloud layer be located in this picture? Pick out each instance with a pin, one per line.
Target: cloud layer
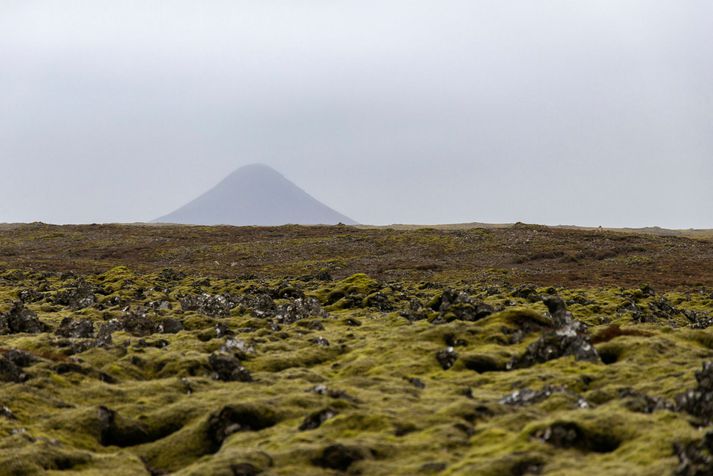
(592, 112)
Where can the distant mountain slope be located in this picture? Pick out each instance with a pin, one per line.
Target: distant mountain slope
(255, 195)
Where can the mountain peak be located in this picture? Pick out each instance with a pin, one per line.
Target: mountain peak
(256, 167)
(255, 194)
(256, 171)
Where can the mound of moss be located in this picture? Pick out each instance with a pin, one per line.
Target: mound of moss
(168, 372)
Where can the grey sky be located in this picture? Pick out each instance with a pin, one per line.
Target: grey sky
(557, 112)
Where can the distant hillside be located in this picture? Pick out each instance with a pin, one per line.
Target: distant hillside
(255, 195)
(699, 233)
(519, 254)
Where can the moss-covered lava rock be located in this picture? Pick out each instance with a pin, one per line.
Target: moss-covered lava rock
(143, 369)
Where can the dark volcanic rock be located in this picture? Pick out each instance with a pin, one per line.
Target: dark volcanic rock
(316, 419)
(642, 403)
(9, 372)
(104, 336)
(239, 348)
(79, 296)
(350, 321)
(698, 320)
(558, 310)
(447, 357)
(244, 469)
(261, 305)
(287, 291)
(21, 320)
(171, 275)
(571, 435)
(30, 295)
(170, 326)
(161, 305)
(70, 367)
(20, 358)
(526, 292)
(528, 396)
(572, 339)
(527, 467)
(647, 290)
(210, 305)
(138, 323)
(483, 363)
(232, 419)
(454, 341)
(340, 457)
(5, 412)
(699, 401)
(458, 305)
(416, 382)
(637, 314)
(158, 344)
(320, 341)
(113, 429)
(662, 308)
(299, 309)
(222, 330)
(113, 432)
(75, 328)
(416, 311)
(227, 368)
(322, 389)
(695, 458)
(379, 301)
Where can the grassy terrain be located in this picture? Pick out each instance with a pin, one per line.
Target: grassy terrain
(329, 350)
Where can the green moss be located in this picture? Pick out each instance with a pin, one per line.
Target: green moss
(349, 292)
(394, 404)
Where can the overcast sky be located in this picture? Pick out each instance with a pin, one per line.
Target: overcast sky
(581, 112)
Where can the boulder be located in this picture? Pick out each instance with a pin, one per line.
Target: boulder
(447, 357)
(227, 368)
(19, 319)
(75, 328)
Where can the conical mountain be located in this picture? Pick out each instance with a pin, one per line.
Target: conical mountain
(255, 195)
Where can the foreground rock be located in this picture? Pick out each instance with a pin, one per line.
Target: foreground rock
(79, 296)
(571, 435)
(210, 305)
(227, 368)
(76, 328)
(699, 401)
(21, 320)
(316, 419)
(233, 419)
(12, 363)
(447, 357)
(298, 309)
(341, 457)
(528, 396)
(570, 338)
(137, 322)
(458, 305)
(696, 457)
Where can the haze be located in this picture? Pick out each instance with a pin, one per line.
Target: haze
(592, 112)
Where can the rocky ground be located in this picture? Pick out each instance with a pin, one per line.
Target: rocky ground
(282, 351)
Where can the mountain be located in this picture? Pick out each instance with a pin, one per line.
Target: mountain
(256, 195)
